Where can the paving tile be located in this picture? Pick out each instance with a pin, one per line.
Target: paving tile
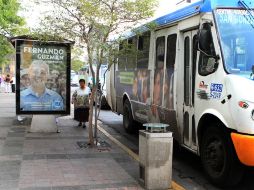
(26, 122)
(11, 150)
(10, 157)
(9, 176)
(18, 129)
(56, 156)
(15, 134)
(8, 184)
(6, 166)
(29, 157)
(76, 156)
(36, 188)
(6, 122)
(43, 183)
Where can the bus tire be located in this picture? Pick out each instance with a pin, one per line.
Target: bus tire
(219, 158)
(128, 121)
(104, 103)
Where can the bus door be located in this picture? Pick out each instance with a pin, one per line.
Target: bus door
(190, 55)
(157, 113)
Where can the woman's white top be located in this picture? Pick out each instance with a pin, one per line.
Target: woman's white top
(80, 97)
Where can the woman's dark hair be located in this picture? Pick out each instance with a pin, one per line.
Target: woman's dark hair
(82, 80)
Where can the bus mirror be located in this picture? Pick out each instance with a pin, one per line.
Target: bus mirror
(204, 40)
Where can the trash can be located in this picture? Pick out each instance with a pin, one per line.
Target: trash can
(155, 154)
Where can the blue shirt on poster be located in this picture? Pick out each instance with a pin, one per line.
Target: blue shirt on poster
(48, 101)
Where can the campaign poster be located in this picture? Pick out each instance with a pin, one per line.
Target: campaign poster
(43, 77)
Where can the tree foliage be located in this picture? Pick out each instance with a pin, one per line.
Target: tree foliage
(10, 24)
(76, 64)
(91, 23)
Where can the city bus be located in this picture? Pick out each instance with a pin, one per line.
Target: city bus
(195, 72)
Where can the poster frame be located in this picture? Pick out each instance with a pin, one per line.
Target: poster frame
(18, 43)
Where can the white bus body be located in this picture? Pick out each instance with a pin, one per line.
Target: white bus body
(195, 73)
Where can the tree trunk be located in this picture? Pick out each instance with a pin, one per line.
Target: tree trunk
(91, 138)
(90, 128)
(96, 103)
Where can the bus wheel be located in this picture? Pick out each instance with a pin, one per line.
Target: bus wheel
(128, 121)
(218, 157)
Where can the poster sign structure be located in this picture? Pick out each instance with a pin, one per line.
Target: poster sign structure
(42, 77)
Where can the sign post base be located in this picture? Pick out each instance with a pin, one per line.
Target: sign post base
(43, 124)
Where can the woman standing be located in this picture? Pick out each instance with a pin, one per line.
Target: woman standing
(7, 83)
(80, 99)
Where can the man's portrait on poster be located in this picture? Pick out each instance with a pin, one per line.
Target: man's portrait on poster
(37, 96)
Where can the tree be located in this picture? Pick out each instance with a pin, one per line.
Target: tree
(91, 23)
(10, 24)
(76, 63)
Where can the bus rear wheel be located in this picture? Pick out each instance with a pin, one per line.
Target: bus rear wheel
(128, 121)
(218, 157)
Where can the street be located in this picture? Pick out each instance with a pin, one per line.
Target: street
(187, 169)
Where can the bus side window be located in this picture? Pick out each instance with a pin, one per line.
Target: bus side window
(207, 51)
(169, 74)
(121, 56)
(143, 51)
(132, 53)
(159, 71)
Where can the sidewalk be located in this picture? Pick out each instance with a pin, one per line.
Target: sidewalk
(55, 161)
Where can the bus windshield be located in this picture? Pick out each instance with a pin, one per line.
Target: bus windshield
(236, 32)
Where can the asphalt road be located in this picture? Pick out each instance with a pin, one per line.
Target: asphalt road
(187, 169)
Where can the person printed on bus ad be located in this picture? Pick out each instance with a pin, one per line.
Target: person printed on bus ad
(158, 87)
(168, 89)
(157, 96)
(145, 96)
(153, 114)
(37, 97)
(135, 89)
(139, 85)
(159, 72)
(80, 99)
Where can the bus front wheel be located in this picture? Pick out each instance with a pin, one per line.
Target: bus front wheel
(218, 157)
(128, 121)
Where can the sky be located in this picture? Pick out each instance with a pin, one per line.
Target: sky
(33, 12)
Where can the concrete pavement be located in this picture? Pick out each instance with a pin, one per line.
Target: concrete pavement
(52, 161)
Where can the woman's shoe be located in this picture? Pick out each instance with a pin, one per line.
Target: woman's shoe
(84, 126)
(80, 124)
